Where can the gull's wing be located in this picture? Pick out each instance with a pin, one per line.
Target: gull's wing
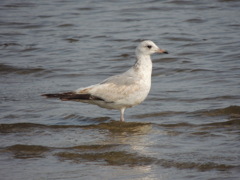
(114, 88)
(110, 90)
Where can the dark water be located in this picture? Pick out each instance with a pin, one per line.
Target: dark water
(188, 127)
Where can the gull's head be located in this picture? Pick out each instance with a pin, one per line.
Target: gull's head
(148, 47)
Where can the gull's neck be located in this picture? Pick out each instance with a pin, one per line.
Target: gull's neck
(143, 64)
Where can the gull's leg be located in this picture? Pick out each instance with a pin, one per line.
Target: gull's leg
(122, 115)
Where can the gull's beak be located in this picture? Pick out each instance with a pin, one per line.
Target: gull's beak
(162, 51)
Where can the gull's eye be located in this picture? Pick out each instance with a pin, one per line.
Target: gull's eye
(149, 46)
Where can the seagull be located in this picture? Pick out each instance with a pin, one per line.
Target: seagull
(121, 91)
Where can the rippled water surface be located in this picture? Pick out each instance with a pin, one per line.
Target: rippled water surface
(187, 128)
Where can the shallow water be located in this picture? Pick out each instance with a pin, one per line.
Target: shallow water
(187, 128)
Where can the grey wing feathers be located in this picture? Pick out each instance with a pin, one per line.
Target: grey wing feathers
(122, 79)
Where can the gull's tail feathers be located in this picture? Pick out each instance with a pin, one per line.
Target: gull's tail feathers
(72, 96)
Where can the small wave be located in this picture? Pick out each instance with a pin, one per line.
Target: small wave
(226, 124)
(85, 8)
(72, 40)
(7, 69)
(177, 125)
(126, 127)
(231, 110)
(166, 60)
(193, 165)
(86, 120)
(123, 158)
(229, 97)
(65, 25)
(27, 151)
(32, 151)
(32, 26)
(179, 39)
(25, 127)
(30, 48)
(95, 147)
(18, 127)
(194, 99)
(158, 114)
(108, 154)
(114, 158)
(195, 20)
(20, 5)
(9, 44)
(113, 126)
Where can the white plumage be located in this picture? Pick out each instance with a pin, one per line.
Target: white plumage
(120, 91)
